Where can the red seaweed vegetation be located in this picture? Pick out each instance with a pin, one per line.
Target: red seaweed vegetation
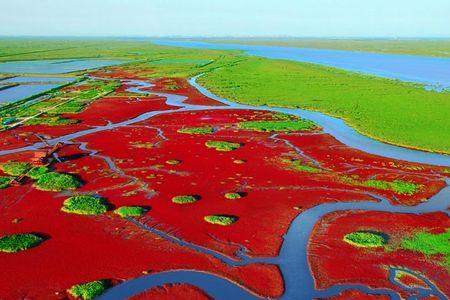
(276, 177)
(173, 291)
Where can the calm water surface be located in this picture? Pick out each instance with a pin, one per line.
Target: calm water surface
(32, 79)
(19, 92)
(54, 66)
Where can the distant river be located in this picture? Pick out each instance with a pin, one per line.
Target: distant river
(430, 71)
(56, 66)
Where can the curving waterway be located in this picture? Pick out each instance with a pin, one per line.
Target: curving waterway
(292, 259)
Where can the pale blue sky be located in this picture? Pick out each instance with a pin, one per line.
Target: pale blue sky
(335, 18)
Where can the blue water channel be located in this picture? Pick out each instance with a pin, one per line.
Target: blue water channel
(430, 71)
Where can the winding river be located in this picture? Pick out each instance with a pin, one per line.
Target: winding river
(292, 259)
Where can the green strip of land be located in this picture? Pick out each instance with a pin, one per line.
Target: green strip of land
(428, 47)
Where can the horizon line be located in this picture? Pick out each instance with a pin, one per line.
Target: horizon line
(227, 37)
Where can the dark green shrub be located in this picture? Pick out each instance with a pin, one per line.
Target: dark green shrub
(19, 242)
(89, 290)
(5, 182)
(223, 220)
(85, 205)
(185, 199)
(366, 239)
(130, 211)
(57, 182)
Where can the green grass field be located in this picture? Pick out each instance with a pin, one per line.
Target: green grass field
(394, 112)
(278, 125)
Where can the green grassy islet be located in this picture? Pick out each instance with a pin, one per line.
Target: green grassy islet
(85, 205)
(19, 242)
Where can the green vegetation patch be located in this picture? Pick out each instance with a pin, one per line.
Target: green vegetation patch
(377, 184)
(57, 182)
(405, 187)
(196, 130)
(399, 186)
(90, 290)
(19, 242)
(185, 199)
(130, 211)
(51, 121)
(279, 125)
(297, 165)
(222, 145)
(367, 239)
(4, 182)
(223, 220)
(429, 244)
(15, 168)
(37, 172)
(85, 205)
(233, 196)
